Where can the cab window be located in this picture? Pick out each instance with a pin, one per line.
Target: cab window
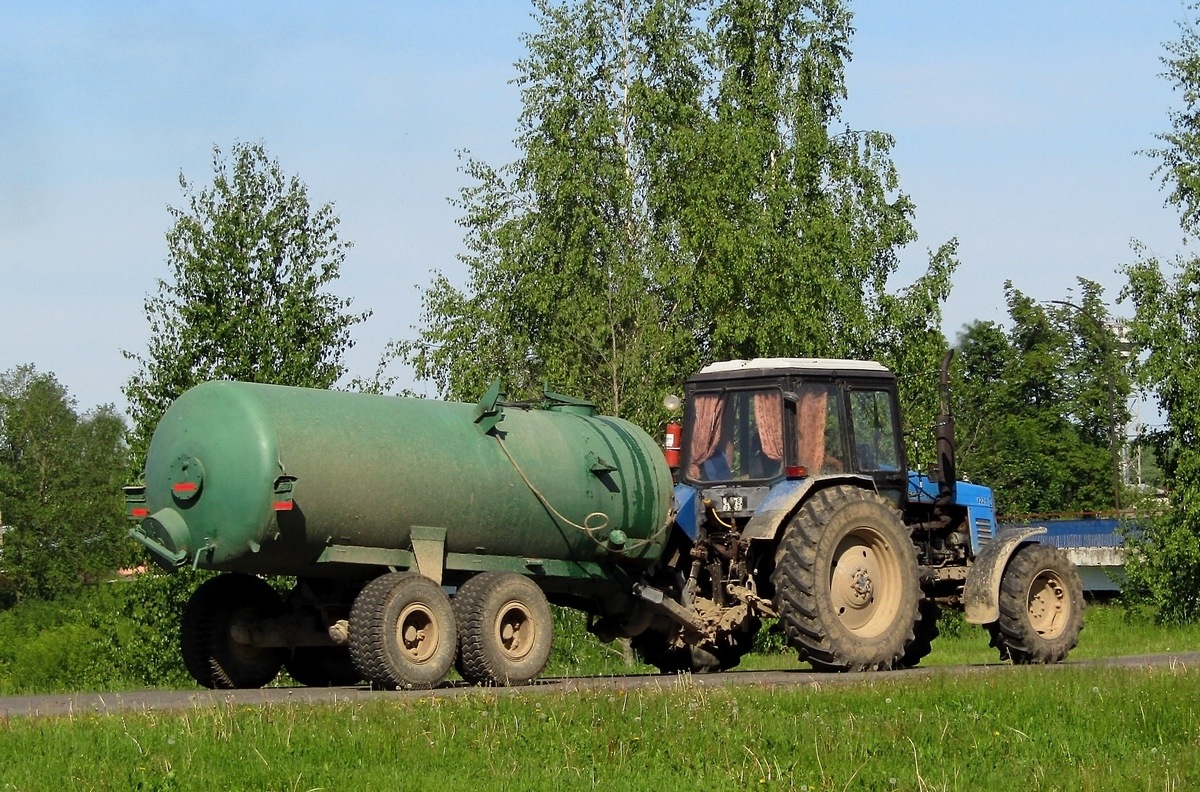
(736, 435)
(820, 441)
(876, 441)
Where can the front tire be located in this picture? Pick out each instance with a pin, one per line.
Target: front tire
(210, 653)
(1041, 606)
(505, 629)
(846, 585)
(402, 632)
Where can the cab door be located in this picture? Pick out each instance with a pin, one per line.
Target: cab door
(875, 440)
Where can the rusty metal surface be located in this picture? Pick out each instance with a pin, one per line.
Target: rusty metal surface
(159, 700)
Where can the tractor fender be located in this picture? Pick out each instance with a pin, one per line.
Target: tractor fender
(787, 496)
(981, 593)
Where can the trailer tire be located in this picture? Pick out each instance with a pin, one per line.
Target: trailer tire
(505, 629)
(846, 585)
(1041, 606)
(402, 632)
(322, 666)
(210, 653)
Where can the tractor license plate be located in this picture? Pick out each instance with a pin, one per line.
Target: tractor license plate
(733, 503)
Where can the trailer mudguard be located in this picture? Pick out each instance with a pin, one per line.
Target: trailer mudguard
(981, 593)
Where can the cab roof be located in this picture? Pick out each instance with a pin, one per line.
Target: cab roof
(763, 367)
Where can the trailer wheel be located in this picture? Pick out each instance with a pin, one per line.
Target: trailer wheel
(322, 666)
(924, 633)
(505, 629)
(846, 585)
(402, 632)
(210, 653)
(1041, 606)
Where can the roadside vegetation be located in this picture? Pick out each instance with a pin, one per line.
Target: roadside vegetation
(1056, 728)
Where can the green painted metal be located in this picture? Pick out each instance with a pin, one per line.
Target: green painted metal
(271, 479)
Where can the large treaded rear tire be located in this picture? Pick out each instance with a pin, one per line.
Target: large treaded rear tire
(924, 633)
(402, 632)
(846, 585)
(505, 630)
(1041, 606)
(210, 654)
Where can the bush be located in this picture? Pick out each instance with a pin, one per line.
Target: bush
(111, 636)
(1162, 566)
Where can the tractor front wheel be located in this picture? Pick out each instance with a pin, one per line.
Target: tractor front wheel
(1041, 606)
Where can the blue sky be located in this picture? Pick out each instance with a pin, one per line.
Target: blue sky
(1016, 129)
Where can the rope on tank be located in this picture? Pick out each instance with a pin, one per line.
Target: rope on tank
(587, 528)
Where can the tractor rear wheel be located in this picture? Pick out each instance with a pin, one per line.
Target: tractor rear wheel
(402, 632)
(1041, 606)
(505, 629)
(924, 632)
(211, 654)
(846, 585)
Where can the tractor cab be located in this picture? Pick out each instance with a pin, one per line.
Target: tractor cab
(751, 424)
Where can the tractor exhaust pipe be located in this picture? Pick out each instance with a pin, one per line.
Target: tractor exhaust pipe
(944, 432)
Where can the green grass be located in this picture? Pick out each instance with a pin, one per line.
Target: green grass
(1109, 631)
(1066, 728)
(1021, 729)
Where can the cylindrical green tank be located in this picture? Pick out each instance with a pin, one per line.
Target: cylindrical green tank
(266, 479)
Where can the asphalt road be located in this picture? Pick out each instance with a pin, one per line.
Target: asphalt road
(159, 700)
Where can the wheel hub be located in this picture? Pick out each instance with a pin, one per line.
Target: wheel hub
(1048, 606)
(516, 631)
(418, 631)
(864, 571)
(861, 586)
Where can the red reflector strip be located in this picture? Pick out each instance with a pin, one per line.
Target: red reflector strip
(283, 505)
(185, 486)
(140, 512)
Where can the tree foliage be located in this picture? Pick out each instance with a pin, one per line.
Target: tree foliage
(250, 260)
(60, 479)
(1038, 405)
(1179, 157)
(1163, 565)
(1163, 555)
(686, 192)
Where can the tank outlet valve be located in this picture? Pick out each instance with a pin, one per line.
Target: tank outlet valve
(165, 535)
(617, 540)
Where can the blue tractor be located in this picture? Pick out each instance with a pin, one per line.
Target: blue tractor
(794, 501)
